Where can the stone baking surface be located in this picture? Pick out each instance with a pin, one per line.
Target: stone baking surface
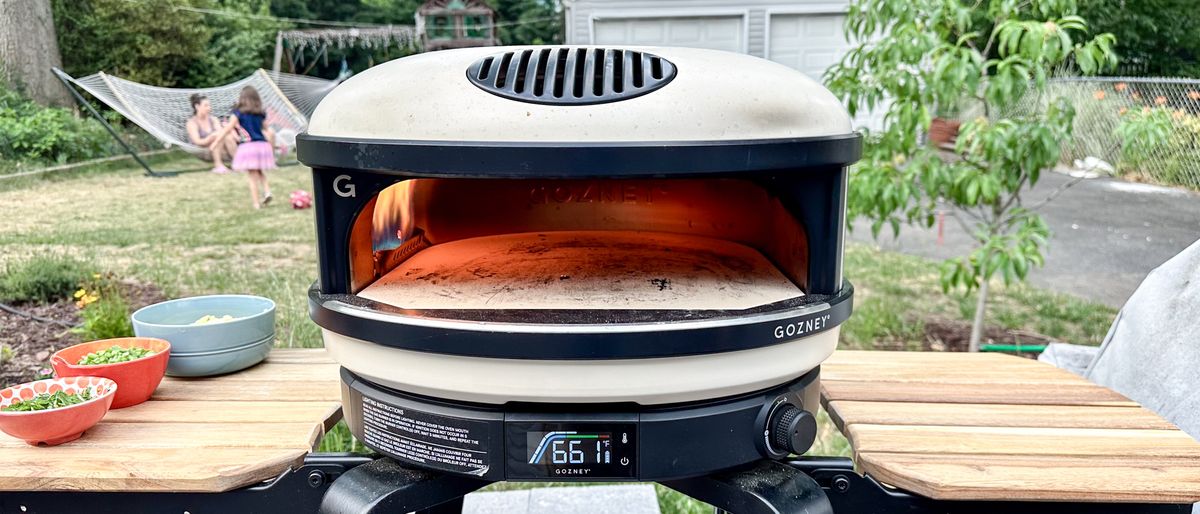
(584, 270)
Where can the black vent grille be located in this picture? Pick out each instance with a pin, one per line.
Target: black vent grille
(571, 76)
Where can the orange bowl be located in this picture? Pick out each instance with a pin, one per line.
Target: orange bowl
(56, 426)
(136, 379)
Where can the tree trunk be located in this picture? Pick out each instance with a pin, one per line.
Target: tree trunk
(980, 311)
(28, 48)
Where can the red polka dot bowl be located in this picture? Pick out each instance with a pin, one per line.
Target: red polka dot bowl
(55, 426)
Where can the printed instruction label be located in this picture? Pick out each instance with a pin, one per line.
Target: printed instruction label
(438, 442)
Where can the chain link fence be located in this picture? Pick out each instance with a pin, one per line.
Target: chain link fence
(1111, 119)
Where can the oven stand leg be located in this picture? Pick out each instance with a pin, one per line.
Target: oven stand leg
(767, 487)
(383, 486)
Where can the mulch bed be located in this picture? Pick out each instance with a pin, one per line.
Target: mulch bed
(950, 335)
(944, 335)
(32, 342)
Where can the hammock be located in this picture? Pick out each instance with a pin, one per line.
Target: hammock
(163, 112)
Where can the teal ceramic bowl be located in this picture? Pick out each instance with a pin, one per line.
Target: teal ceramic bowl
(173, 320)
(219, 362)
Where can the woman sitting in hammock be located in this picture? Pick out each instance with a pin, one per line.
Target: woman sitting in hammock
(204, 130)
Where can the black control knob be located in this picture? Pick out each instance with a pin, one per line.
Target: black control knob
(792, 429)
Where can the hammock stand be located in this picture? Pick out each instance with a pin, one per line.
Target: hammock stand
(111, 131)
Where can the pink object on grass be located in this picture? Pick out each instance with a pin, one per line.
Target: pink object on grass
(301, 199)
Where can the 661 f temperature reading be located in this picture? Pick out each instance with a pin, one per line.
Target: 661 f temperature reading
(569, 447)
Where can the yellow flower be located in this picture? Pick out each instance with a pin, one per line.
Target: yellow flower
(80, 293)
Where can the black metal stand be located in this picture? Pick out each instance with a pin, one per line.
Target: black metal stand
(768, 487)
(385, 486)
(347, 483)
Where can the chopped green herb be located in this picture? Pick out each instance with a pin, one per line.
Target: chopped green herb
(46, 401)
(114, 354)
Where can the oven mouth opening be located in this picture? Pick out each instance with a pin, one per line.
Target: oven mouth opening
(584, 270)
(588, 251)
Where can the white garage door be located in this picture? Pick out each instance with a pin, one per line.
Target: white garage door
(714, 32)
(810, 43)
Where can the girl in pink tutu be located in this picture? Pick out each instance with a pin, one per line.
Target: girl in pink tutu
(256, 154)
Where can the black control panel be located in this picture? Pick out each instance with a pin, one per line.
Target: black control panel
(580, 443)
(570, 450)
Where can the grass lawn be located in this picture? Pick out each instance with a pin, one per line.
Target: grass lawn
(197, 234)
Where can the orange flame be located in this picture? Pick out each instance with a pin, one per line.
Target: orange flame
(392, 221)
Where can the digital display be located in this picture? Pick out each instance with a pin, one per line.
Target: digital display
(571, 450)
(569, 447)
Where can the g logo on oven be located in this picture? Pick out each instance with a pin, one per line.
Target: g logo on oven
(342, 187)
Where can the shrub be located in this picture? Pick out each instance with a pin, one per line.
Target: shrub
(105, 318)
(41, 279)
(1163, 144)
(30, 132)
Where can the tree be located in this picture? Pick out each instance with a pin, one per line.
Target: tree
(528, 22)
(145, 42)
(238, 44)
(1154, 37)
(28, 49)
(922, 56)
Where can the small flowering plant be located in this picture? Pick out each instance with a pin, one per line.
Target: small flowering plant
(89, 291)
(105, 314)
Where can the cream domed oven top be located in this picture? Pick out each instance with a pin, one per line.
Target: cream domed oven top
(529, 245)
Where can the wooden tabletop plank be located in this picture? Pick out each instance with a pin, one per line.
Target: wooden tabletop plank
(996, 427)
(285, 372)
(137, 436)
(299, 356)
(1009, 373)
(903, 358)
(72, 468)
(1023, 440)
(982, 392)
(249, 390)
(195, 434)
(192, 411)
(997, 415)
(1037, 478)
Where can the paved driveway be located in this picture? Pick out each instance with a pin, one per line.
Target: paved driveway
(1107, 234)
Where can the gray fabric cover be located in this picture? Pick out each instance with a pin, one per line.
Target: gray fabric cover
(1072, 357)
(1152, 351)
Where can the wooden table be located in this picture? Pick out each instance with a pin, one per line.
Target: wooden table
(193, 435)
(956, 426)
(941, 425)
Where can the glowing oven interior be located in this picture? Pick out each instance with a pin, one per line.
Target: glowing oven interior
(725, 244)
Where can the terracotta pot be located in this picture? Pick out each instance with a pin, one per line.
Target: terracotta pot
(136, 379)
(943, 131)
(56, 426)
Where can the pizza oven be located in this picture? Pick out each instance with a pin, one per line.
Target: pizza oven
(580, 262)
